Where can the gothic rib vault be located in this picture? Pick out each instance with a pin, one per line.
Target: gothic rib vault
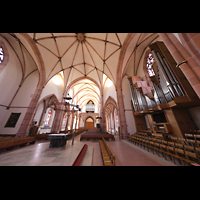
(80, 57)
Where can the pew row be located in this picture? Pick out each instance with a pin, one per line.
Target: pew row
(107, 154)
(10, 142)
(182, 149)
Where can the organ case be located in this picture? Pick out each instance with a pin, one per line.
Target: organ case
(172, 81)
(171, 94)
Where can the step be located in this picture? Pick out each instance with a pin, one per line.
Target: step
(87, 158)
(80, 156)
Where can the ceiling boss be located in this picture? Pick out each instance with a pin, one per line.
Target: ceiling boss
(80, 37)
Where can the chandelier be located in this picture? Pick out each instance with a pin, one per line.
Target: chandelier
(67, 105)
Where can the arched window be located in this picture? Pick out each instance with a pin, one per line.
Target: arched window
(150, 61)
(64, 122)
(1, 54)
(48, 118)
(4, 56)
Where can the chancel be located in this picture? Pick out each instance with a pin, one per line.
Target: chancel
(99, 99)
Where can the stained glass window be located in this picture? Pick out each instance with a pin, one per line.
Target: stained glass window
(1, 54)
(150, 61)
(48, 118)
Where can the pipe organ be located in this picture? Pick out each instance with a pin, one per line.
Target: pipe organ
(171, 92)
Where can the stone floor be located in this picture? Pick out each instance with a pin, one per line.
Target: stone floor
(40, 154)
(127, 154)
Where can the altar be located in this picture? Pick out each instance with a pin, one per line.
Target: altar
(57, 140)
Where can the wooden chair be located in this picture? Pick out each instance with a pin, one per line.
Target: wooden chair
(174, 139)
(163, 149)
(145, 143)
(197, 140)
(189, 136)
(152, 145)
(171, 151)
(197, 150)
(190, 153)
(180, 152)
(181, 141)
(157, 147)
(191, 142)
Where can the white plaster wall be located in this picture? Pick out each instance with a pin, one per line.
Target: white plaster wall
(52, 88)
(10, 79)
(5, 114)
(109, 91)
(24, 96)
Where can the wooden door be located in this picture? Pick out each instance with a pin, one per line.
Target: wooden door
(89, 125)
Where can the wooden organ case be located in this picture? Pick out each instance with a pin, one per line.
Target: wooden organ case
(171, 94)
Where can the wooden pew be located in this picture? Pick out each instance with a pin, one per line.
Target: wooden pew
(11, 142)
(185, 150)
(107, 154)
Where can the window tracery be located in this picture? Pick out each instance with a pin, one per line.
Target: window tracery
(1, 54)
(150, 60)
(48, 118)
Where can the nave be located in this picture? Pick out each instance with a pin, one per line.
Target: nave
(40, 154)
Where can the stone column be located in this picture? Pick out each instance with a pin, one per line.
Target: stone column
(180, 54)
(30, 113)
(122, 118)
(43, 113)
(57, 121)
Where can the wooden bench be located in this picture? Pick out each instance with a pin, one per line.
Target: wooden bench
(107, 154)
(98, 136)
(184, 150)
(9, 143)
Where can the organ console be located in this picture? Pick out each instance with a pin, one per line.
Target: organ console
(171, 92)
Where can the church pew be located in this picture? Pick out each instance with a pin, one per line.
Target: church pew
(96, 136)
(183, 149)
(16, 141)
(107, 154)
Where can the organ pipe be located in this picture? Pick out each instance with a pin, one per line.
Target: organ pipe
(179, 90)
(134, 98)
(171, 81)
(159, 94)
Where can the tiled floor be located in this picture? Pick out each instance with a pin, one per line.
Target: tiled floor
(40, 154)
(126, 154)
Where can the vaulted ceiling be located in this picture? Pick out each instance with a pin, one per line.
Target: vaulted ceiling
(80, 54)
(85, 90)
(84, 55)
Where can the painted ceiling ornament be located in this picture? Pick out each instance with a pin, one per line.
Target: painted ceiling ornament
(80, 37)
